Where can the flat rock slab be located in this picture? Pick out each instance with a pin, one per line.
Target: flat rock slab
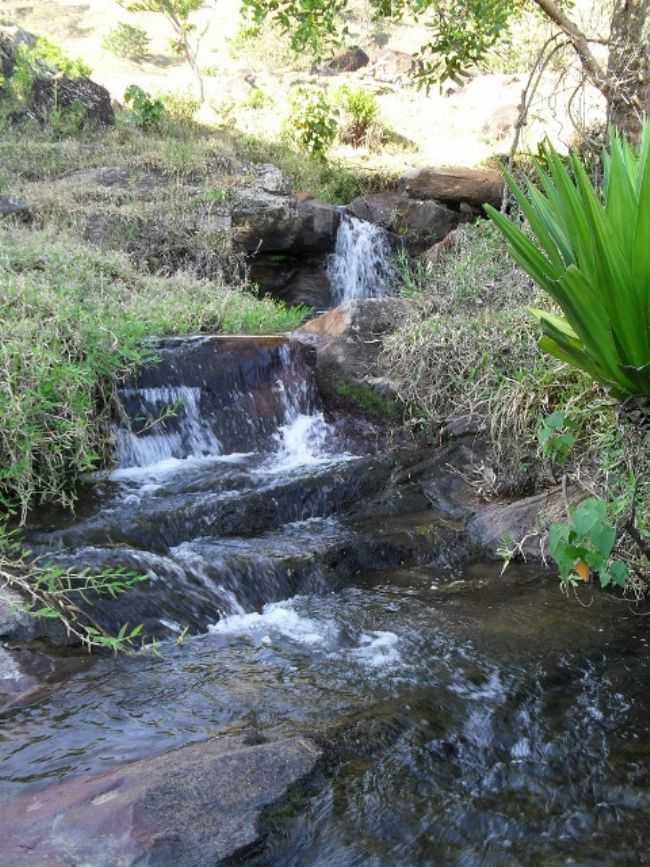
(192, 807)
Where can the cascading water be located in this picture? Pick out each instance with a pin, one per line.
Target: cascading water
(478, 721)
(269, 404)
(360, 266)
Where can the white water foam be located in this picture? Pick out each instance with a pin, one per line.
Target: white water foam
(360, 266)
(194, 438)
(378, 650)
(373, 650)
(279, 618)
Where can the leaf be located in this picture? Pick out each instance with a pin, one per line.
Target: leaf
(619, 572)
(586, 515)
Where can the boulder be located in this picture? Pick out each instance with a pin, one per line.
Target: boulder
(348, 340)
(454, 185)
(350, 60)
(194, 806)
(525, 521)
(63, 92)
(16, 208)
(419, 223)
(269, 222)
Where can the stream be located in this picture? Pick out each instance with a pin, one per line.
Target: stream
(461, 716)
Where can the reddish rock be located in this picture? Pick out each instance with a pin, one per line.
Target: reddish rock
(454, 185)
(192, 807)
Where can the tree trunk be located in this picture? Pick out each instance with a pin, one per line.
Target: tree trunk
(628, 68)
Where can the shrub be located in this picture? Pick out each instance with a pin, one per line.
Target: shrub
(584, 545)
(147, 111)
(127, 41)
(257, 99)
(590, 253)
(360, 112)
(311, 124)
(180, 107)
(43, 58)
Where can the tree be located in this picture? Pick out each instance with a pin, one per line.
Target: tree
(462, 32)
(178, 13)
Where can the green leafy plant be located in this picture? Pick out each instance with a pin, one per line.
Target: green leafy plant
(147, 111)
(43, 58)
(590, 253)
(54, 592)
(312, 122)
(127, 41)
(584, 545)
(555, 437)
(359, 112)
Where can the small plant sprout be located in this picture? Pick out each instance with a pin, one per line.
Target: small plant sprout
(555, 437)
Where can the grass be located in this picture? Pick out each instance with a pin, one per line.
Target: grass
(75, 318)
(469, 348)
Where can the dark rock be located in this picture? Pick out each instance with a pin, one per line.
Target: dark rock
(266, 222)
(454, 185)
(293, 280)
(64, 92)
(195, 806)
(319, 223)
(348, 341)
(350, 60)
(419, 223)
(16, 208)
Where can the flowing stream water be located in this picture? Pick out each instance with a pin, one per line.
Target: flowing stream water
(360, 266)
(471, 719)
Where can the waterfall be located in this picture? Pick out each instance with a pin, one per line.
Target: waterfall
(165, 423)
(360, 266)
(216, 397)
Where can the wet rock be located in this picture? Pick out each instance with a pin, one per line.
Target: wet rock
(420, 223)
(348, 341)
(15, 209)
(454, 185)
(350, 60)
(195, 806)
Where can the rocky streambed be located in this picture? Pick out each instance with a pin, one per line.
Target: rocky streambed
(342, 678)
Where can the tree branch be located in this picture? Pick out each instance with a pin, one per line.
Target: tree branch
(580, 43)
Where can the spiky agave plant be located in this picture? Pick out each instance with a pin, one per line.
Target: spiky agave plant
(591, 253)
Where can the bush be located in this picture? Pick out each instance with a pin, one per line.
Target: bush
(312, 122)
(147, 111)
(127, 41)
(180, 107)
(360, 112)
(257, 99)
(590, 254)
(43, 58)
